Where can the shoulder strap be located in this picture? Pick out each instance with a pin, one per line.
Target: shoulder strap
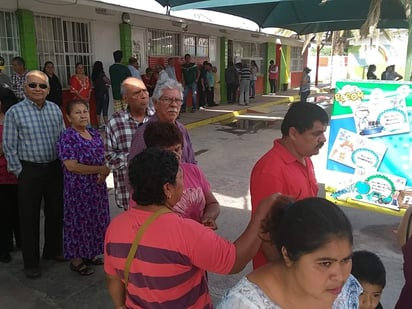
(137, 239)
(408, 227)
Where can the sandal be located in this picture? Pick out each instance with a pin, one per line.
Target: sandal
(95, 261)
(82, 269)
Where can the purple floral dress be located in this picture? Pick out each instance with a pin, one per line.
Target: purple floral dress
(86, 203)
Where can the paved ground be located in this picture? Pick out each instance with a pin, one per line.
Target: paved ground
(226, 154)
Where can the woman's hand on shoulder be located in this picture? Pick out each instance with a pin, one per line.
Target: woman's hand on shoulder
(209, 222)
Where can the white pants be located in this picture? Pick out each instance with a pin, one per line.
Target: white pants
(244, 91)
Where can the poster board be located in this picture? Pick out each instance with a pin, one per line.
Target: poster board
(370, 145)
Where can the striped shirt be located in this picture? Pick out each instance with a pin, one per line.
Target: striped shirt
(119, 132)
(168, 270)
(245, 73)
(31, 134)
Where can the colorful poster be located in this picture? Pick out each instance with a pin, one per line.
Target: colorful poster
(355, 150)
(370, 131)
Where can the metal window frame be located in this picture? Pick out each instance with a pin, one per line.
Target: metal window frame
(10, 42)
(65, 42)
(163, 43)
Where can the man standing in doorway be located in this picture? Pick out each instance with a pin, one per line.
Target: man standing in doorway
(287, 168)
(190, 73)
(170, 68)
(119, 132)
(31, 130)
(118, 73)
(17, 79)
(134, 67)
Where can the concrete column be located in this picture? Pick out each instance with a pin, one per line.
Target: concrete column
(27, 33)
(223, 65)
(125, 31)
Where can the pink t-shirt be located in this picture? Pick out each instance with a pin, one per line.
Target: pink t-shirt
(170, 263)
(193, 202)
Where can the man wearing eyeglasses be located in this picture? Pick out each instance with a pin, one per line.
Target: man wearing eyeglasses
(167, 98)
(119, 132)
(31, 130)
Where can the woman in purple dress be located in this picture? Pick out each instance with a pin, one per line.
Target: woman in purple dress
(86, 203)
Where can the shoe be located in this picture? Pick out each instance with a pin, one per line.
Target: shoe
(242, 104)
(82, 269)
(95, 261)
(32, 273)
(57, 258)
(5, 257)
(183, 111)
(193, 111)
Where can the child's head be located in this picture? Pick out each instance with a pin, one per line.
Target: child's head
(368, 268)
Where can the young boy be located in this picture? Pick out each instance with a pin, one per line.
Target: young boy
(368, 268)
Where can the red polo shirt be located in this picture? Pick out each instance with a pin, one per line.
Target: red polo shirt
(279, 171)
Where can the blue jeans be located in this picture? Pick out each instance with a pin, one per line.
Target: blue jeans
(192, 87)
(252, 91)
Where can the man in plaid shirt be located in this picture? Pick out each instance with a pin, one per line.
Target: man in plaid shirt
(119, 132)
(18, 78)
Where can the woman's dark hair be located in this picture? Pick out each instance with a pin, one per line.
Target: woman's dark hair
(368, 267)
(71, 103)
(46, 64)
(162, 134)
(149, 171)
(7, 98)
(306, 225)
(302, 116)
(97, 70)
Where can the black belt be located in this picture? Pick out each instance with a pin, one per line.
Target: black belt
(41, 165)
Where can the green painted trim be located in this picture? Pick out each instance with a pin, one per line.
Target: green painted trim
(223, 65)
(125, 32)
(28, 44)
(270, 55)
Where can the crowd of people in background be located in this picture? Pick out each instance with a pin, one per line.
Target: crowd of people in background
(63, 169)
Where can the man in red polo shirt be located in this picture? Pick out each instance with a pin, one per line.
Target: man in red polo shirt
(287, 168)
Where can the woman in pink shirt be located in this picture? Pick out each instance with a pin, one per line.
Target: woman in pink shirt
(197, 202)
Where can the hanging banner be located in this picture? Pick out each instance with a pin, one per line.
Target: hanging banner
(370, 142)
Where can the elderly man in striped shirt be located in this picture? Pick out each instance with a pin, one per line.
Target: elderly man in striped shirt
(31, 130)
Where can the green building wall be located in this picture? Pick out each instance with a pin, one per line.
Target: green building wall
(28, 45)
(270, 54)
(125, 33)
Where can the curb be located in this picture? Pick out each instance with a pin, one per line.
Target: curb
(230, 116)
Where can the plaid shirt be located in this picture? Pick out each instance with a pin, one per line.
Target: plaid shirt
(17, 82)
(31, 134)
(119, 132)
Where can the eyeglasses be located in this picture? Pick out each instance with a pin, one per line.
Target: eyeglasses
(34, 85)
(169, 101)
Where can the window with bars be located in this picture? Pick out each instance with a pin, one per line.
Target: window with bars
(196, 45)
(65, 43)
(9, 39)
(296, 59)
(163, 43)
(248, 51)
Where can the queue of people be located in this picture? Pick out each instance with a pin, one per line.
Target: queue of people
(305, 242)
